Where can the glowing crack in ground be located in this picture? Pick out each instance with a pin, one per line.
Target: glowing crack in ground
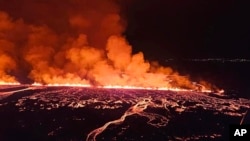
(158, 108)
(136, 109)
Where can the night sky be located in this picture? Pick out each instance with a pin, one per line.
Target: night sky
(189, 29)
(44, 39)
(165, 29)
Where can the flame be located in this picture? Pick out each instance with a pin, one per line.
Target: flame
(86, 49)
(70, 85)
(9, 83)
(125, 87)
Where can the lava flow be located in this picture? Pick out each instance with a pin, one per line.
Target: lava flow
(87, 49)
(138, 108)
(198, 89)
(111, 114)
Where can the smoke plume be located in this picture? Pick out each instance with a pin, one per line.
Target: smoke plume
(74, 42)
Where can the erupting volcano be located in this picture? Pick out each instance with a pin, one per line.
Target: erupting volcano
(86, 48)
(68, 72)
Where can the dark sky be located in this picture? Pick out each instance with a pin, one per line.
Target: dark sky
(189, 28)
(161, 28)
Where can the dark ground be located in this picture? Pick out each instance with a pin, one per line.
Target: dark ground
(70, 114)
(232, 75)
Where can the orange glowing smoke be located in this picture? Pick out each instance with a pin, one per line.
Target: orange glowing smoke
(78, 43)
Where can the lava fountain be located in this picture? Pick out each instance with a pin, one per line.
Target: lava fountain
(82, 55)
(84, 49)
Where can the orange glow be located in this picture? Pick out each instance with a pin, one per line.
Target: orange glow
(87, 50)
(9, 83)
(70, 85)
(58, 85)
(125, 87)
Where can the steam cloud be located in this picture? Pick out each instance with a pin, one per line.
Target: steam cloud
(76, 42)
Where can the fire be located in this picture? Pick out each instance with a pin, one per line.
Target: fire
(9, 83)
(87, 49)
(70, 85)
(126, 87)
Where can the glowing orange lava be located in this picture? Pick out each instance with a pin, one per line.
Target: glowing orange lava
(204, 90)
(9, 83)
(81, 55)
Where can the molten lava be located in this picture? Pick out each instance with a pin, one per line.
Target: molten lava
(129, 87)
(86, 49)
(9, 83)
